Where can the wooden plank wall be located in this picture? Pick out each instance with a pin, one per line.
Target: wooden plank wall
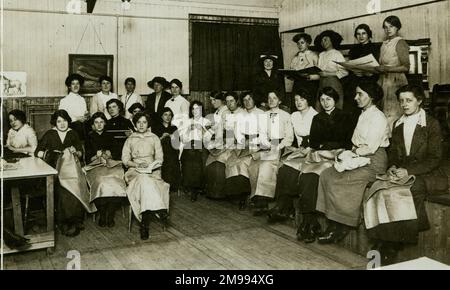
(424, 21)
(296, 14)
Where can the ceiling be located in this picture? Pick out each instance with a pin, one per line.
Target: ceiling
(253, 3)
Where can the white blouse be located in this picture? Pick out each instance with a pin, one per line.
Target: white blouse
(327, 62)
(195, 130)
(128, 100)
(302, 123)
(371, 132)
(180, 108)
(277, 126)
(409, 127)
(75, 105)
(98, 103)
(24, 137)
(304, 60)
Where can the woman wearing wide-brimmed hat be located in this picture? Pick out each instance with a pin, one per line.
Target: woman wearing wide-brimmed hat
(99, 100)
(75, 105)
(328, 42)
(267, 79)
(156, 101)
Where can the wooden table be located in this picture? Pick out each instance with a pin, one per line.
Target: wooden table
(29, 168)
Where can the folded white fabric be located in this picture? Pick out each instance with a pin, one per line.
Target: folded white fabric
(348, 160)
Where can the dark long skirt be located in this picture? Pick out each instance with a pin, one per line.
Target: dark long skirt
(287, 188)
(193, 168)
(308, 183)
(406, 231)
(215, 176)
(237, 187)
(170, 171)
(69, 209)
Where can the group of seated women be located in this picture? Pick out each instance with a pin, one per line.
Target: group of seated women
(319, 160)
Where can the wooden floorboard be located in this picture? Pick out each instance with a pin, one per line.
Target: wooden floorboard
(206, 234)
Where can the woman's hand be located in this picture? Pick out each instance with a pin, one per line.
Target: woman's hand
(165, 135)
(99, 153)
(72, 150)
(142, 165)
(392, 171)
(313, 77)
(381, 69)
(401, 173)
(40, 154)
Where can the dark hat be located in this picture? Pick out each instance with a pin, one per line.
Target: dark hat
(273, 57)
(305, 36)
(159, 80)
(335, 38)
(218, 96)
(72, 77)
(105, 78)
(177, 82)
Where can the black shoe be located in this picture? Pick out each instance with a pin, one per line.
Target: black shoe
(312, 233)
(14, 241)
(144, 233)
(102, 220)
(242, 205)
(194, 196)
(333, 236)
(388, 252)
(260, 212)
(110, 220)
(73, 231)
(274, 216)
(302, 231)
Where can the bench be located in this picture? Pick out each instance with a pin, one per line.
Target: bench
(434, 243)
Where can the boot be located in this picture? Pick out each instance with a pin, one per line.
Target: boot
(145, 226)
(110, 213)
(275, 216)
(102, 219)
(14, 241)
(164, 218)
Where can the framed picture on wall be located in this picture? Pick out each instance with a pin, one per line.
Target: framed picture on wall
(91, 67)
(14, 83)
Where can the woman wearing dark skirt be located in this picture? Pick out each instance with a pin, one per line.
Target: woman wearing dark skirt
(340, 193)
(107, 185)
(331, 129)
(119, 126)
(416, 150)
(55, 146)
(287, 177)
(194, 154)
(168, 133)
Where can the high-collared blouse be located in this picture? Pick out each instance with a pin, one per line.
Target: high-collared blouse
(371, 132)
(277, 126)
(98, 103)
(327, 62)
(142, 147)
(302, 123)
(180, 108)
(304, 60)
(24, 137)
(75, 105)
(128, 100)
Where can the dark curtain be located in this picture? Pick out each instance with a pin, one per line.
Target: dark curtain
(225, 56)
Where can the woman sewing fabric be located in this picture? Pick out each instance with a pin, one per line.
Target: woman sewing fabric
(340, 193)
(105, 178)
(168, 134)
(60, 147)
(193, 158)
(148, 194)
(416, 150)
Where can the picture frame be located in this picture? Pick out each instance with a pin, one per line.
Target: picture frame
(91, 67)
(14, 84)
